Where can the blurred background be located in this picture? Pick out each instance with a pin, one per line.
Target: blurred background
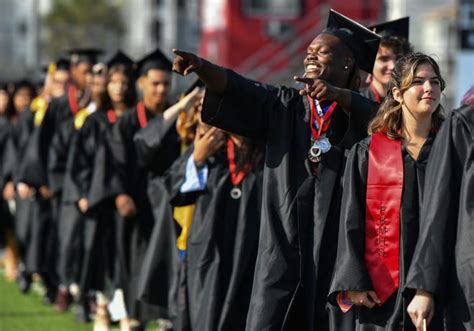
(262, 39)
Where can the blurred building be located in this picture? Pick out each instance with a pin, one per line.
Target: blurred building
(18, 38)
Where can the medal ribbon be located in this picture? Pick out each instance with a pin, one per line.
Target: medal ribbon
(320, 116)
(111, 116)
(382, 223)
(235, 178)
(72, 98)
(141, 114)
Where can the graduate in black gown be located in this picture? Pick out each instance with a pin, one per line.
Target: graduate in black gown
(158, 146)
(43, 165)
(383, 190)
(87, 185)
(394, 44)
(132, 201)
(441, 269)
(222, 176)
(301, 192)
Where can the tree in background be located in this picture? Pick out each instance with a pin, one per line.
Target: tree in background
(81, 23)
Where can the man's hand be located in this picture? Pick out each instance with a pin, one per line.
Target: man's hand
(125, 205)
(191, 99)
(83, 205)
(421, 307)
(206, 144)
(9, 191)
(363, 298)
(185, 63)
(318, 89)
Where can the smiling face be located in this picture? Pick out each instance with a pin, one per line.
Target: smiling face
(383, 66)
(117, 87)
(326, 59)
(422, 95)
(155, 85)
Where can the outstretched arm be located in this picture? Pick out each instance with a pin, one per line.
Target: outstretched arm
(213, 76)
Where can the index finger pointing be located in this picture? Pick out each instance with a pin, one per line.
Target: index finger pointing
(304, 80)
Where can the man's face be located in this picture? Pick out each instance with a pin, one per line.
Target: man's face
(155, 86)
(383, 66)
(324, 58)
(79, 73)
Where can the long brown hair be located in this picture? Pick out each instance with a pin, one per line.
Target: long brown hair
(389, 116)
(130, 96)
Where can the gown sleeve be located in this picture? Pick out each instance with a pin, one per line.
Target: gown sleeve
(350, 272)
(445, 173)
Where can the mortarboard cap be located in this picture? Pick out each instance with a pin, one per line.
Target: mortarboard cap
(363, 42)
(154, 60)
(3, 86)
(87, 55)
(63, 64)
(395, 28)
(119, 58)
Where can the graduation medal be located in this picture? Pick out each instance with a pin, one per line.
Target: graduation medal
(320, 121)
(235, 177)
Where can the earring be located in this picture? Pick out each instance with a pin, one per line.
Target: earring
(346, 67)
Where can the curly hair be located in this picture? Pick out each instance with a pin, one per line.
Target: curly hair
(389, 116)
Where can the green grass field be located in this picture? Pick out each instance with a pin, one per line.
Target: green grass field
(20, 312)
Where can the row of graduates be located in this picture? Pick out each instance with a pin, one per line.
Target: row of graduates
(263, 241)
(92, 213)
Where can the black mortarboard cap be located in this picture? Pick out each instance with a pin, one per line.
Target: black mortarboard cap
(3, 86)
(87, 55)
(395, 28)
(119, 58)
(363, 42)
(154, 60)
(63, 64)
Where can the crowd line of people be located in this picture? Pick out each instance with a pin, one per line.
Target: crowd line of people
(344, 203)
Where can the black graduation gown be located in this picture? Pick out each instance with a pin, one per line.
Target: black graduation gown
(221, 247)
(6, 220)
(158, 147)
(350, 272)
(89, 237)
(132, 179)
(443, 261)
(299, 211)
(31, 214)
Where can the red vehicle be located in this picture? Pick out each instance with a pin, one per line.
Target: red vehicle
(267, 39)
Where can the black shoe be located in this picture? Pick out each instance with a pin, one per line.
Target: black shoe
(24, 282)
(83, 313)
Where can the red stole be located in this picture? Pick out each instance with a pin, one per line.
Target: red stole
(235, 177)
(383, 204)
(72, 98)
(111, 116)
(141, 114)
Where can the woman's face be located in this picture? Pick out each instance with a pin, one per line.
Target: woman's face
(3, 101)
(22, 99)
(423, 95)
(117, 87)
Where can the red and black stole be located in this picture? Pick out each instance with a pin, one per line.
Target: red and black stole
(383, 204)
